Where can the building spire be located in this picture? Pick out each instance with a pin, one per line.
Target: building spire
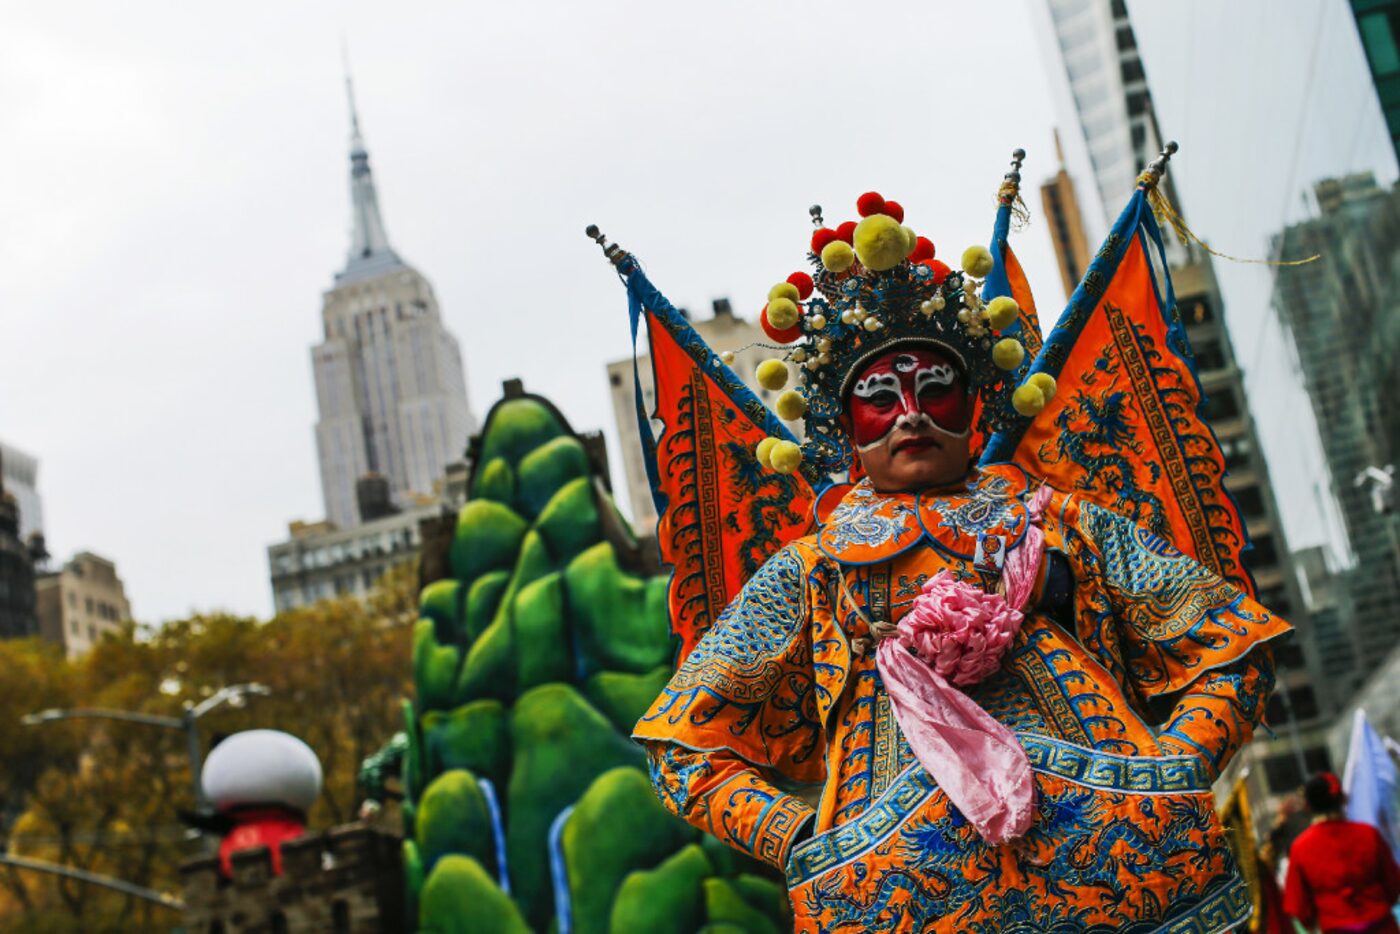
(369, 244)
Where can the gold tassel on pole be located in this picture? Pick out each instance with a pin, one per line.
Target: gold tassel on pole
(1010, 193)
(1167, 215)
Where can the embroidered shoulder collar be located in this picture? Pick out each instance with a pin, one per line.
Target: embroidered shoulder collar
(868, 527)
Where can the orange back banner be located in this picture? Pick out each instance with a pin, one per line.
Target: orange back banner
(722, 514)
(1123, 428)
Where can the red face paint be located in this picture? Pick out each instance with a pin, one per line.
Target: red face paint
(905, 385)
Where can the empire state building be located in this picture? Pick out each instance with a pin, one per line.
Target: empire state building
(389, 382)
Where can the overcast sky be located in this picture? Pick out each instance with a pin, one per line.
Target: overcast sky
(177, 202)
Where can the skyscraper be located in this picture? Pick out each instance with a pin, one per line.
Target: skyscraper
(389, 381)
(17, 619)
(1378, 22)
(1340, 312)
(1109, 132)
(21, 472)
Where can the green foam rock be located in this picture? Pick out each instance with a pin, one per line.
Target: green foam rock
(546, 469)
(559, 744)
(413, 764)
(483, 601)
(619, 619)
(412, 878)
(541, 638)
(617, 827)
(453, 818)
(534, 562)
(623, 697)
(489, 670)
(725, 905)
(517, 427)
(474, 737)
(460, 897)
(495, 482)
(569, 523)
(486, 539)
(767, 896)
(729, 861)
(666, 900)
(441, 602)
(434, 667)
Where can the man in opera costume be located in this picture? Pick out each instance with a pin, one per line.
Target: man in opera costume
(969, 656)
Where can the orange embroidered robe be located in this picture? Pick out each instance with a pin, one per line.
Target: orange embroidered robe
(778, 696)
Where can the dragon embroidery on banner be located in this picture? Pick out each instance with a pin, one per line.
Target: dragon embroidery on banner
(1096, 434)
(704, 448)
(762, 501)
(1130, 437)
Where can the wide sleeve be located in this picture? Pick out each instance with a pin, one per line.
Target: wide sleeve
(739, 716)
(1168, 619)
(1216, 716)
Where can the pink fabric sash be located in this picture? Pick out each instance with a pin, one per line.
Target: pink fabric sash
(956, 634)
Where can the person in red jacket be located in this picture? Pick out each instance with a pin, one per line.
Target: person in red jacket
(1342, 876)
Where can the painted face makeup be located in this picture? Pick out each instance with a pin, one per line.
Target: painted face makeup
(908, 389)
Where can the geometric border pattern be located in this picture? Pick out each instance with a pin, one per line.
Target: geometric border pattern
(1152, 775)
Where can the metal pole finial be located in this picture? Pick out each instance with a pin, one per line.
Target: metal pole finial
(1158, 166)
(612, 251)
(1018, 156)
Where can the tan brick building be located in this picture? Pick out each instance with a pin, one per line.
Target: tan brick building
(79, 603)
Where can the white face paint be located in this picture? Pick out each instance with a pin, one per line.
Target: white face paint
(936, 375)
(905, 374)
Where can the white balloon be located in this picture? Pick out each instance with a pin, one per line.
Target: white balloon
(262, 767)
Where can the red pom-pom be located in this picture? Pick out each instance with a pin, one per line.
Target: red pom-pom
(870, 203)
(803, 283)
(820, 238)
(847, 232)
(781, 337)
(893, 209)
(940, 270)
(923, 249)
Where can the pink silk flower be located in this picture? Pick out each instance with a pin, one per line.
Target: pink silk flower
(955, 636)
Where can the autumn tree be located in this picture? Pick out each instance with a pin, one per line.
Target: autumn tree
(103, 795)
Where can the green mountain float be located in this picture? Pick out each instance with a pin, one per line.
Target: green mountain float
(527, 806)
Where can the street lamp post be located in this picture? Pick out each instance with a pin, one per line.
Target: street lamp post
(187, 722)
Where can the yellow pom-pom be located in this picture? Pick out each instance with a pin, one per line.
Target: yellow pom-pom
(785, 457)
(880, 243)
(772, 374)
(791, 405)
(1008, 353)
(764, 452)
(911, 240)
(1002, 312)
(1045, 383)
(783, 313)
(783, 290)
(977, 261)
(1028, 399)
(837, 256)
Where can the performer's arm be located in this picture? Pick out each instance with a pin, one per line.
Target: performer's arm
(1185, 635)
(739, 713)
